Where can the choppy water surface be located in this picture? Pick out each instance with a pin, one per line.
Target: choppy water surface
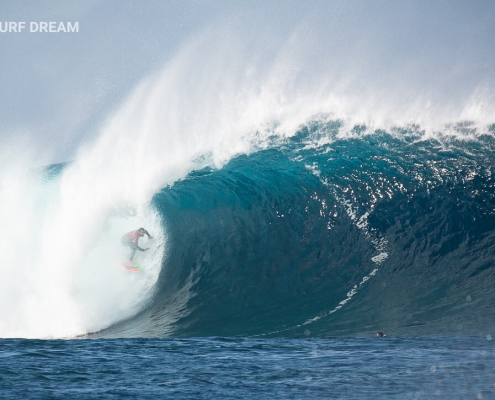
(453, 368)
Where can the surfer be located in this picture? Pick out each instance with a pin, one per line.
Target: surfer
(131, 239)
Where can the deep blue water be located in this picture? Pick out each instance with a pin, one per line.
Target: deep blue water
(295, 256)
(217, 368)
(331, 235)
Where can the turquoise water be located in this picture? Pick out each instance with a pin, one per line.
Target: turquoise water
(280, 267)
(380, 232)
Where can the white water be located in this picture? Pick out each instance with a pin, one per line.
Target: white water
(63, 272)
(60, 242)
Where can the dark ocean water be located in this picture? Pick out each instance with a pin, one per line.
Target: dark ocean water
(285, 263)
(226, 368)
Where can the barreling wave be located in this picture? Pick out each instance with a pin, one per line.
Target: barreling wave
(330, 234)
(294, 184)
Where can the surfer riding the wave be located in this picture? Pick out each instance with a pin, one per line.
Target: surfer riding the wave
(131, 239)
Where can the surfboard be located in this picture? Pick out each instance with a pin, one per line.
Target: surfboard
(133, 268)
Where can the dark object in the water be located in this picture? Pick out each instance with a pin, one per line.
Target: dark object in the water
(381, 334)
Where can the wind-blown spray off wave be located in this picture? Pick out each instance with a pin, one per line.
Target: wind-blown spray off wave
(273, 210)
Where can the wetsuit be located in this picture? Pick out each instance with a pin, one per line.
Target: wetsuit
(131, 239)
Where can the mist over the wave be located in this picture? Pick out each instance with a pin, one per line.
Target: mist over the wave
(381, 61)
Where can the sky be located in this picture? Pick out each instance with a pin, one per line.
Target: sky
(58, 89)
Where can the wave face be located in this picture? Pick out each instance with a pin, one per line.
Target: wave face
(312, 176)
(330, 234)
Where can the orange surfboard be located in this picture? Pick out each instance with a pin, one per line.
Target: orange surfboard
(133, 268)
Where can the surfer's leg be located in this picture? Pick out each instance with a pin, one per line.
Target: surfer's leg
(134, 248)
(128, 242)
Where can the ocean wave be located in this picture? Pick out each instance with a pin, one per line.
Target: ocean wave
(344, 238)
